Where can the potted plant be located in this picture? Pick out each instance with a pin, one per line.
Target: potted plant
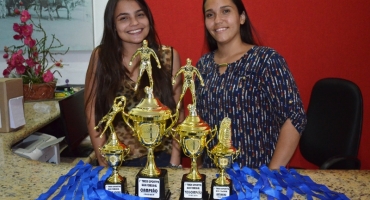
(30, 59)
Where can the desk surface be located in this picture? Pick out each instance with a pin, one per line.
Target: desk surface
(22, 178)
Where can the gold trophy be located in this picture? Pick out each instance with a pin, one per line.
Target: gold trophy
(192, 133)
(148, 120)
(223, 154)
(114, 151)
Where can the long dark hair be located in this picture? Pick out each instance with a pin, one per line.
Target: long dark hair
(246, 29)
(111, 72)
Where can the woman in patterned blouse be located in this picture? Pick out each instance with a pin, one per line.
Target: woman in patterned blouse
(126, 25)
(250, 84)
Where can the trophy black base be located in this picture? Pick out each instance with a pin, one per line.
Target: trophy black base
(220, 191)
(193, 189)
(153, 187)
(117, 187)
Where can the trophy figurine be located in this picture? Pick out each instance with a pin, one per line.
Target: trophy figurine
(188, 72)
(223, 155)
(148, 121)
(193, 133)
(114, 151)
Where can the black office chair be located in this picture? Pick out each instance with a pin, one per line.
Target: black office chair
(334, 121)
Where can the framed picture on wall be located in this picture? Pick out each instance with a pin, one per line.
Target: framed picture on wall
(71, 21)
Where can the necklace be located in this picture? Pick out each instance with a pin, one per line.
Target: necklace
(222, 65)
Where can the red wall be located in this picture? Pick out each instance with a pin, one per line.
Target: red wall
(318, 39)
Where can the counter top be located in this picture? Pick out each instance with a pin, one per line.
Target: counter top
(22, 178)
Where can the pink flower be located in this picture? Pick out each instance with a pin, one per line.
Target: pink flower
(25, 16)
(27, 30)
(35, 54)
(48, 76)
(30, 59)
(30, 63)
(20, 69)
(17, 28)
(18, 37)
(17, 60)
(6, 72)
(29, 42)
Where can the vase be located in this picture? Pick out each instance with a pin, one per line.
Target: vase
(39, 91)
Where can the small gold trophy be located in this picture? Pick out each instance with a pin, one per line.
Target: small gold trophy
(148, 120)
(223, 155)
(114, 151)
(193, 139)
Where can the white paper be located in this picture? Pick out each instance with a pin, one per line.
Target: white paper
(16, 113)
(0, 117)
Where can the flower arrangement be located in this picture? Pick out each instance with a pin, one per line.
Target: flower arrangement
(29, 60)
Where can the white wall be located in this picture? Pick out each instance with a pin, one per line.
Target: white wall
(76, 62)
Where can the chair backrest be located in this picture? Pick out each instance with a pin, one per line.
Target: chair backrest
(73, 119)
(334, 121)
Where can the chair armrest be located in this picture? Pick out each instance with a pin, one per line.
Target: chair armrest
(342, 162)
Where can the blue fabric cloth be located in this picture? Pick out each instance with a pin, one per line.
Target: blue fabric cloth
(258, 93)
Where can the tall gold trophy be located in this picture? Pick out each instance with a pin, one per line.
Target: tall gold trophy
(148, 120)
(223, 154)
(192, 133)
(114, 151)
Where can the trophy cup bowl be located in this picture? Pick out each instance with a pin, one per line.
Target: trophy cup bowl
(193, 133)
(114, 152)
(223, 154)
(148, 120)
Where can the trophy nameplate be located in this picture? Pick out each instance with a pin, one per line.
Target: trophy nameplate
(193, 189)
(153, 187)
(219, 192)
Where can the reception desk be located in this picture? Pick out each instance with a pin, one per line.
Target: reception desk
(22, 178)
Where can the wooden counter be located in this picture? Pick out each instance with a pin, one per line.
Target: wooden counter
(22, 178)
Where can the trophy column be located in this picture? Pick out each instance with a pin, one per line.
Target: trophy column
(114, 151)
(149, 119)
(193, 134)
(223, 155)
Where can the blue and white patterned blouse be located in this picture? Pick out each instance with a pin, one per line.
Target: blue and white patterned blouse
(258, 93)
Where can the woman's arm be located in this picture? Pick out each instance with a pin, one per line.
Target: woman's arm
(176, 153)
(286, 145)
(90, 107)
(285, 99)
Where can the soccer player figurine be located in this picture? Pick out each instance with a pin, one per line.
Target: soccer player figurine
(188, 70)
(118, 106)
(145, 52)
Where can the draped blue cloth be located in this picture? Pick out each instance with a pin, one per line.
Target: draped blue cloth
(82, 181)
